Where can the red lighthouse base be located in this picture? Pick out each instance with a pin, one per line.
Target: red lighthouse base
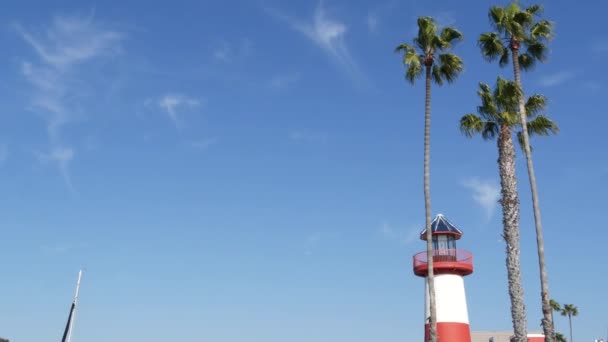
(450, 332)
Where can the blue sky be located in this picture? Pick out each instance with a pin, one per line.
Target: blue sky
(252, 170)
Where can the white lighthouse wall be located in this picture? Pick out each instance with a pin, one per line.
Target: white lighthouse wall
(450, 298)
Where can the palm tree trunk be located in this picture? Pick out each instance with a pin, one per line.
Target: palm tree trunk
(510, 221)
(427, 208)
(544, 282)
(570, 319)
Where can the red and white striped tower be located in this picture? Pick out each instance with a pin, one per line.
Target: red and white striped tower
(450, 266)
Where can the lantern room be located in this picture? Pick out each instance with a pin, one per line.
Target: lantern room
(444, 234)
(446, 257)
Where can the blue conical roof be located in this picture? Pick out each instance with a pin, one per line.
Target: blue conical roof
(441, 225)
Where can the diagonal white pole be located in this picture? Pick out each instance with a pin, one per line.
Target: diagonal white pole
(75, 304)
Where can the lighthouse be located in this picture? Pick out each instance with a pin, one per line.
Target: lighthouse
(450, 265)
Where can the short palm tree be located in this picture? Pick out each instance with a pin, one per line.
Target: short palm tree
(560, 338)
(570, 310)
(428, 56)
(555, 306)
(517, 28)
(497, 118)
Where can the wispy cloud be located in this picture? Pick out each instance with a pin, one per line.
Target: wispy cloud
(445, 18)
(328, 34)
(173, 104)
(61, 48)
(61, 156)
(225, 51)
(600, 46)
(372, 22)
(203, 144)
(486, 193)
(379, 12)
(405, 236)
(57, 249)
(593, 86)
(557, 78)
(311, 243)
(307, 136)
(72, 40)
(3, 153)
(281, 82)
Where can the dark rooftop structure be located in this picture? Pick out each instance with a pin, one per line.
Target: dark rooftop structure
(441, 225)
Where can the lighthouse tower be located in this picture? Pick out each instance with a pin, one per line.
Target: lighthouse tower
(450, 265)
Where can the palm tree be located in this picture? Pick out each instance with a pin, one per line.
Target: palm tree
(560, 338)
(497, 118)
(428, 56)
(555, 306)
(570, 310)
(517, 28)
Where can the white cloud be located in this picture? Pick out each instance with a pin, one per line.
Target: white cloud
(61, 156)
(405, 236)
(486, 193)
(172, 104)
(203, 144)
(372, 22)
(280, 82)
(445, 18)
(3, 153)
(57, 249)
(306, 136)
(61, 48)
(72, 40)
(556, 79)
(225, 51)
(600, 47)
(328, 34)
(593, 86)
(222, 52)
(311, 243)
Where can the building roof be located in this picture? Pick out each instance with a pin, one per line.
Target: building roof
(441, 225)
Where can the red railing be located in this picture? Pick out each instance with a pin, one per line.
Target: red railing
(444, 255)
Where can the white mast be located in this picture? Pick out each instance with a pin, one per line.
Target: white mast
(75, 303)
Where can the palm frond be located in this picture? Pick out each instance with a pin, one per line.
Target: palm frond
(471, 124)
(521, 143)
(438, 44)
(526, 62)
(542, 125)
(411, 60)
(511, 10)
(404, 48)
(569, 310)
(488, 108)
(543, 29)
(450, 35)
(413, 72)
(535, 104)
(535, 9)
(506, 95)
(496, 14)
(490, 130)
(427, 31)
(510, 118)
(516, 30)
(491, 46)
(555, 305)
(523, 18)
(504, 58)
(450, 66)
(537, 50)
(436, 75)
